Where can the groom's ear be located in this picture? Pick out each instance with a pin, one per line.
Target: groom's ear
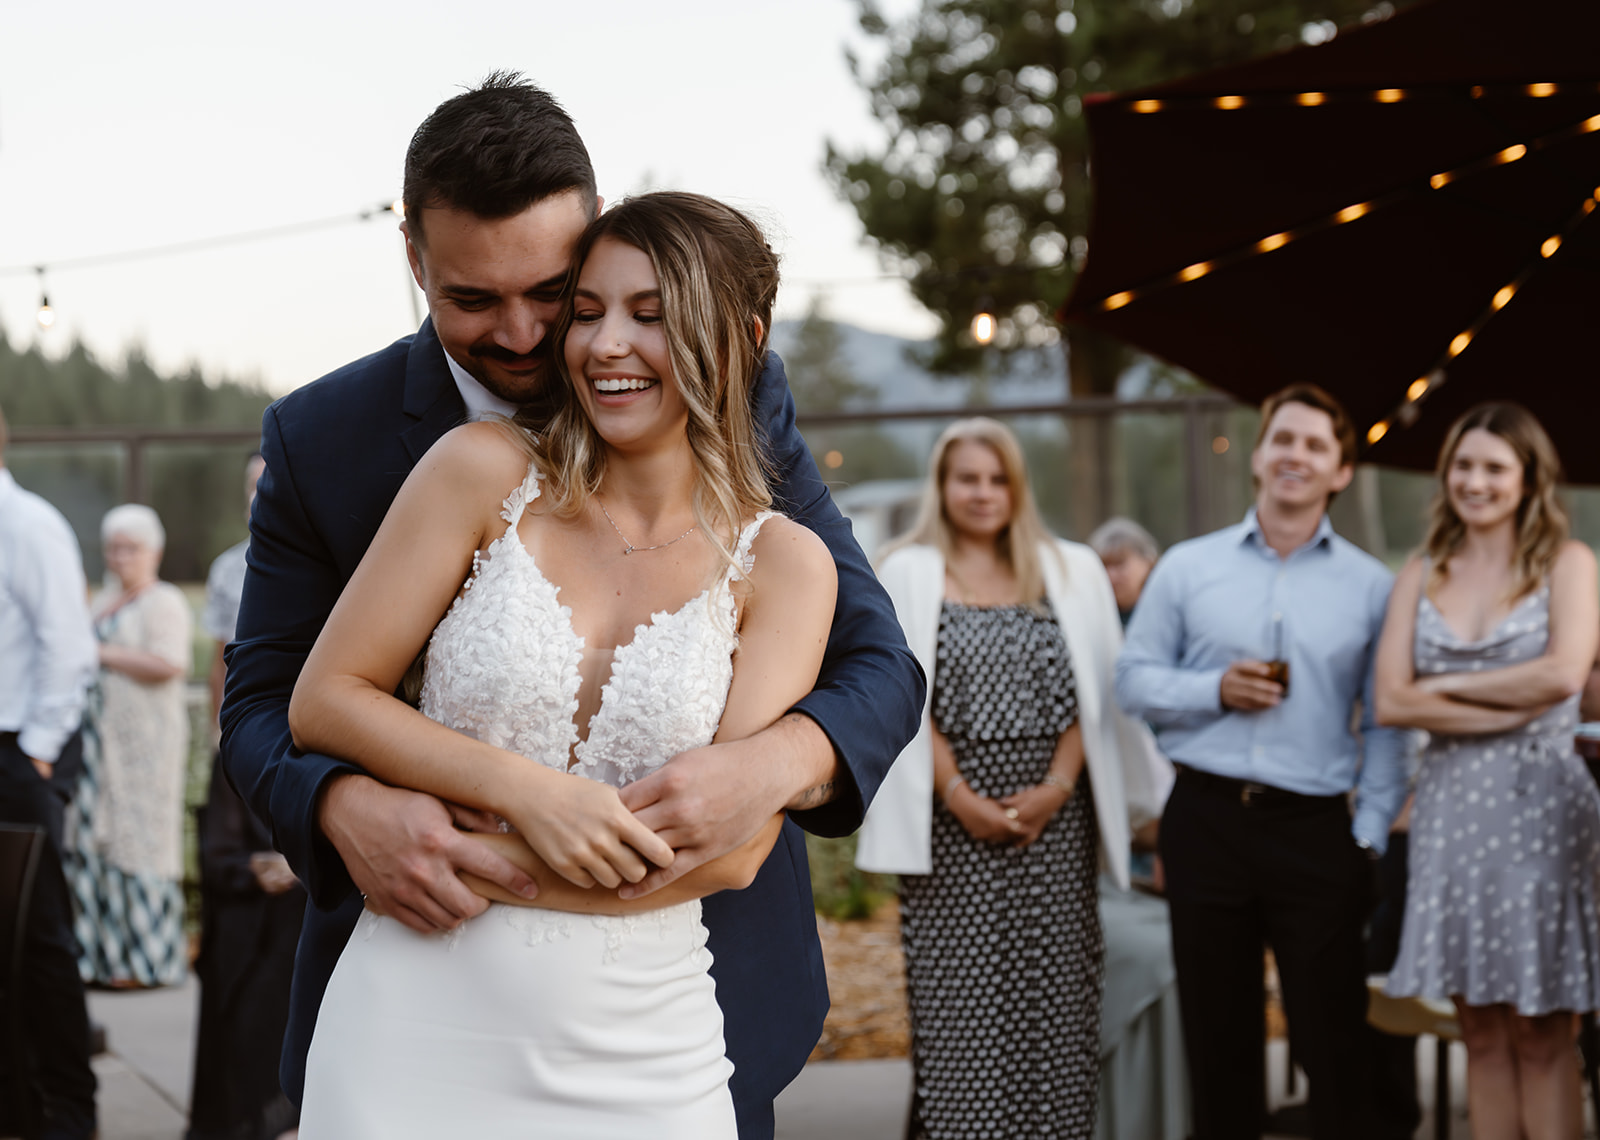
(413, 256)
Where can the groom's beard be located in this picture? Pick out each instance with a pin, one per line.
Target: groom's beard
(514, 377)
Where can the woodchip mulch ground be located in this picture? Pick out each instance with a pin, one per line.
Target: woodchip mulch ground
(867, 981)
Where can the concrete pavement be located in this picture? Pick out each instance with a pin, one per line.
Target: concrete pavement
(144, 1078)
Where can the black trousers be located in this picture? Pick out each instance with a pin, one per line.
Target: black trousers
(54, 1017)
(1249, 871)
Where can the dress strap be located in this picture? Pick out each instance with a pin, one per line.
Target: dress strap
(747, 537)
(517, 502)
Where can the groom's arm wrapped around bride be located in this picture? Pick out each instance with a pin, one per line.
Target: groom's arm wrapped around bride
(337, 452)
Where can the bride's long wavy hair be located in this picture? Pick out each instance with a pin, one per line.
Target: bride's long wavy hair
(718, 279)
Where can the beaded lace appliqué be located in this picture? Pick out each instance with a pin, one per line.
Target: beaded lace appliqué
(502, 667)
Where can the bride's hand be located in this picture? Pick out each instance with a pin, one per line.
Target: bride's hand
(581, 830)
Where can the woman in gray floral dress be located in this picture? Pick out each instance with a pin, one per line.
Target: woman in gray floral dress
(1489, 638)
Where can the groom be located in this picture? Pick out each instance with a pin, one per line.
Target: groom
(498, 187)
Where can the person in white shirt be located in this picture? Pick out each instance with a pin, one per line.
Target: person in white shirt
(47, 662)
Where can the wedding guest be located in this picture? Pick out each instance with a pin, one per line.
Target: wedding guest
(1129, 553)
(1490, 636)
(1252, 648)
(251, 907)
(1019, 784)
(128, 859)
(47, 657)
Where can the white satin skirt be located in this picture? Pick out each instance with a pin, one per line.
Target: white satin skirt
(522, 1023)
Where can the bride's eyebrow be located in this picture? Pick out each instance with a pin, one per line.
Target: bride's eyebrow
(631, 298)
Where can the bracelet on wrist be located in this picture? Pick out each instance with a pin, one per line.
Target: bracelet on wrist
(951, 785)
(1051, 780)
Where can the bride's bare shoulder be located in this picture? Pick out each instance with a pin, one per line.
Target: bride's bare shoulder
(478, 459)
(788, 556)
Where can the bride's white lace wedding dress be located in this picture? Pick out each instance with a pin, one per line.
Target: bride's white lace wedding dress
(528, 1022)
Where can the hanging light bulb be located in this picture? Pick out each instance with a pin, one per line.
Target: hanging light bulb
(984, 325)
(46, 315)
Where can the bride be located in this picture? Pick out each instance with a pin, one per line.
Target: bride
(590, 606)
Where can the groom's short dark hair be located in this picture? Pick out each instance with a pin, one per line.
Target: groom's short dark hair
(493, 151)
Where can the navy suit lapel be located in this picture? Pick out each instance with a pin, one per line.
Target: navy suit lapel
(432, 401)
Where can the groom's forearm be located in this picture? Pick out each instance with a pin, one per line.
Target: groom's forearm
(804, 752)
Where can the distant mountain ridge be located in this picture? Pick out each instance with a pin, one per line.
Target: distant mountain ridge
(879, 360)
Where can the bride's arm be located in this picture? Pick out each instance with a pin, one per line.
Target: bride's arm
(782, 634)
(343, 703)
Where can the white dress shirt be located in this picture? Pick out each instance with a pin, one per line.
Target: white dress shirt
(48, 655)
(478, 399)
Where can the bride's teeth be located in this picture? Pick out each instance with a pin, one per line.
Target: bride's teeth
(630, 384)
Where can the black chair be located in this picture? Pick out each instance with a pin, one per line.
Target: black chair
(21, 846)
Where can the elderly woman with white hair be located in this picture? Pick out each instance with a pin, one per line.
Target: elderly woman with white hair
(1129, 553)
(129, 808)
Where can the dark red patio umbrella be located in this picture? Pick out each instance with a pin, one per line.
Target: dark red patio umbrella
(1405, 215)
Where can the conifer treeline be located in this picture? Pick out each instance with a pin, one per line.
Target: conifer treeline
(196, 488)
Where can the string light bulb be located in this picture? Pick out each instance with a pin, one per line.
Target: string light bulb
(46, 315)
(983, 327)
(1502, 296)
(1548, 247)
(1389, 95)
(1116, 301)
(1377, 431)
(1272, 242)
(1418, 389)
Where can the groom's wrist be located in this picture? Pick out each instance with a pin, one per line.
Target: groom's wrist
(811, 760)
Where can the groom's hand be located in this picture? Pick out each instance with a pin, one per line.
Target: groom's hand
(404, 852)
(709, 801)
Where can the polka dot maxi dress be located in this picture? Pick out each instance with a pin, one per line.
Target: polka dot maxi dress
(1505, 845)
(1004, 955)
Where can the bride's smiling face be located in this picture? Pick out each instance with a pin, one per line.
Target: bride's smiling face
(616, 349)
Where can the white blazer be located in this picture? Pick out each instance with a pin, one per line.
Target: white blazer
(1129, 776)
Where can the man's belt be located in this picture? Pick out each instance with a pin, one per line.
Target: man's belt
(1252, 792)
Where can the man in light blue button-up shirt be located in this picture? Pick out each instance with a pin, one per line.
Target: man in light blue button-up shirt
(1258, 840)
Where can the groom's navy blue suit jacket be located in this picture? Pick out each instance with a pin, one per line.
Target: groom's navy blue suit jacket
(336, 454)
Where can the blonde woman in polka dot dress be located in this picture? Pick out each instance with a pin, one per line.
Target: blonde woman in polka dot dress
(1488, 641)
(999, 814)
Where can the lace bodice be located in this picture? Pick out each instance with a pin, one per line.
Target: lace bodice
(503, 666)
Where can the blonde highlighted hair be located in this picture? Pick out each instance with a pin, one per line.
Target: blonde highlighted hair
(1020, 541)
(1542, 523)
(718, 280)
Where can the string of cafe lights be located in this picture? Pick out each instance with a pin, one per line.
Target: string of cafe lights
(1406, 412)
(46, 315)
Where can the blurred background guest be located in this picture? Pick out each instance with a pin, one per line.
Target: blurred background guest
(999, 813)
(128, 813)
(251, 906)
(1490, 637)
(47, 660)
(1128, 552)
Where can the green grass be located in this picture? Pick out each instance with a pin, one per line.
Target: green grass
(838, 889)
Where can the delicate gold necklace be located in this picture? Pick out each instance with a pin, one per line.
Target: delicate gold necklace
(630, 546)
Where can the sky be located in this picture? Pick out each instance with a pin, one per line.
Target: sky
(130, 126)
